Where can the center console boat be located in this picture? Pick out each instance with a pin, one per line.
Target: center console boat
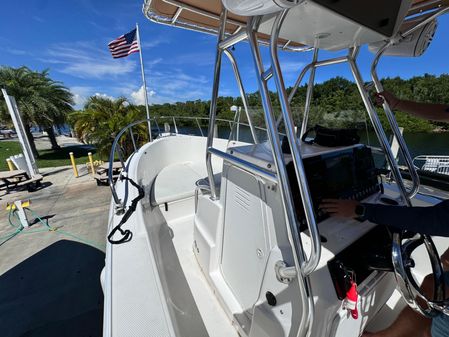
(215, 237)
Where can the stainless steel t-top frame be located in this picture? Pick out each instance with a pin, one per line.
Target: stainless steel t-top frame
(304, 265)
(401, 252)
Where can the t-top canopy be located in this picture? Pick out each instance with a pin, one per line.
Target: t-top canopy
(204, 16)
(200, 15)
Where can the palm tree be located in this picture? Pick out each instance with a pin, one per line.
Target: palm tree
(41, 100)
(103, 118)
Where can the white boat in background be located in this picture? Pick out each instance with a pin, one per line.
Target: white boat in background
(223, 237)
(436, 164)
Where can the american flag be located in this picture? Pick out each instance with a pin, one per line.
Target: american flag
(124, 45)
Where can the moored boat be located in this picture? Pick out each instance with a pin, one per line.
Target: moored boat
(224, 237)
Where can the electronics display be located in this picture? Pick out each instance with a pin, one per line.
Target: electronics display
(347, 174)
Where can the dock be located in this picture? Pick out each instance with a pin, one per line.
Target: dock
(50, 279)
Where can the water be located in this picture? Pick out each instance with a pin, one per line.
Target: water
(417, 143)
(63, 129)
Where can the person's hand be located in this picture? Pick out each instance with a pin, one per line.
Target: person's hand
(383, 96)
(339, 207)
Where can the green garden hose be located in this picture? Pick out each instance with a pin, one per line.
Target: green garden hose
(47, 228)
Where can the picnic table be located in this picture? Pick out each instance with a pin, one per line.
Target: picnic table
(19, 178)
(102, 173)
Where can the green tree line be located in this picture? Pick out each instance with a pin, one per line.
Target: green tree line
(336, 103)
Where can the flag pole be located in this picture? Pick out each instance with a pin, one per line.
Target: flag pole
(144, 82)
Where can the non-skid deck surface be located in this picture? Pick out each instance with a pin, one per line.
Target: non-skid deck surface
(214, 317)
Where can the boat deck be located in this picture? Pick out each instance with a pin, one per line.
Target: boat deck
(50, 280)
(215, 320)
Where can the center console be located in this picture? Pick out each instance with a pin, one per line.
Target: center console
(350, 251)
(347, 173)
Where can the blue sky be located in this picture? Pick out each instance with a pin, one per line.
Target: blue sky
(70, 38)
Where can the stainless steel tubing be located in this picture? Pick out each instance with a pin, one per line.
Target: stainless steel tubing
(213, 103)
(378, 129)
(175, 126)
(394, 126)
(267, 74)
(117, 201)
(199, 127)
(196, 10)
(309, 94)
(132, 139)
(298, 81)
(309, 265)
(423, 4)
(426, 21)
(307, 305)
(322, 63)
(245, 165)
(242, 93)
(233, 39)
(176, 16)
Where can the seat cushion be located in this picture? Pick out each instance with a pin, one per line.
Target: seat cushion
(176, 182)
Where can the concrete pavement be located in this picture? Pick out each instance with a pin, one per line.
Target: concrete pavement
(50, 280)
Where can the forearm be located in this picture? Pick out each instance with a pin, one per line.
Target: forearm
(436, 112)
(424, 220)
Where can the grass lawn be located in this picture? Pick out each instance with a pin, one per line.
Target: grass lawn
(47, 158)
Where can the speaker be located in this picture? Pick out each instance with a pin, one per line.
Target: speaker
(258, 7)
(414, 44)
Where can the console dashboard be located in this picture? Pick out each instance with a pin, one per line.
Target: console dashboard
(349, 172)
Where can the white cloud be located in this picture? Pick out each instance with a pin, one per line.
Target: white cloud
(167, 86)
(148, 44)
(138, 96)
(177, 86)
(292, 66)
(79, 101)
(85, 60)
(15, 51)
(80, 95)
(101, 95)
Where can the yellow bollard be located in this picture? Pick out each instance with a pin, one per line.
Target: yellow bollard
(72, 159)
(91, 160)
(10, 164)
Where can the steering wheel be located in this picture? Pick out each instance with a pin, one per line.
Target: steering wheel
(403, 247)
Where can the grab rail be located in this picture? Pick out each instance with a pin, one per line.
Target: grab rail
(310, 264)
(244, 164)
(299, 256)
(394, 126)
